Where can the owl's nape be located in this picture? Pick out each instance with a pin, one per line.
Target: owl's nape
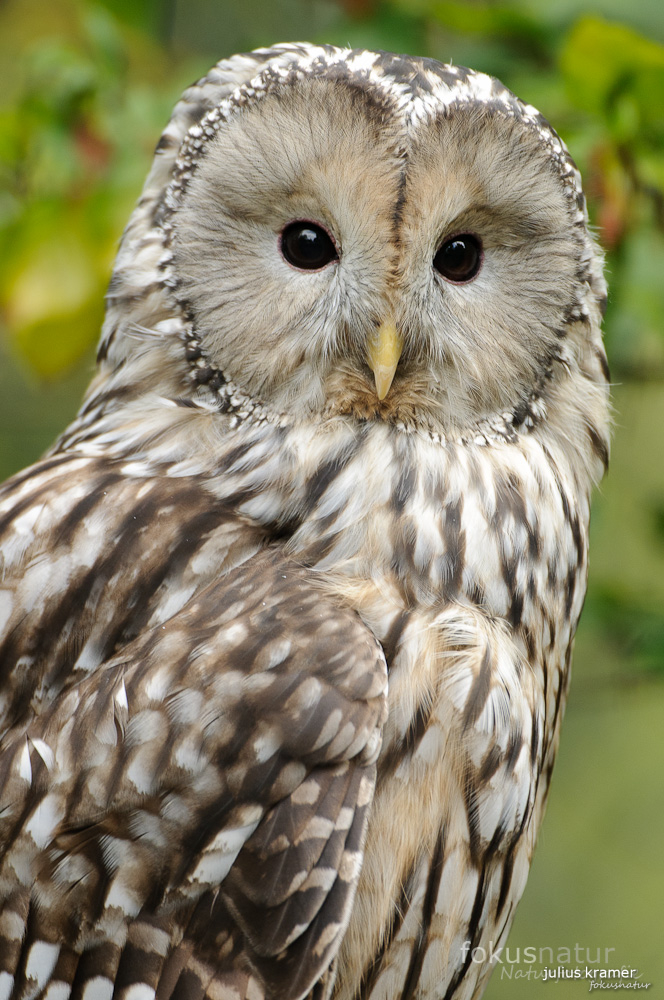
(286, 614)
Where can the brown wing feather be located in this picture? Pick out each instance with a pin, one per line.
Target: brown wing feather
(91, 557)
(244, 726)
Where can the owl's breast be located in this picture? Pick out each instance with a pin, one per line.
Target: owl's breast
(468, 564)
(454, 817)
(408, 523)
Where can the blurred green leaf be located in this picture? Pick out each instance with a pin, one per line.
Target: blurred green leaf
(611, 70)
(76, 136)
(636, 321)
(634, 630)
(515, 25)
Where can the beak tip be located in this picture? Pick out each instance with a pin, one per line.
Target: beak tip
(383, 377)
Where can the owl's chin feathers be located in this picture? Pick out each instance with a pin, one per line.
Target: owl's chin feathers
(414, 400)
(353, 394)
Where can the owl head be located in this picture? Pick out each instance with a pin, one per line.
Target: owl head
(335, 233)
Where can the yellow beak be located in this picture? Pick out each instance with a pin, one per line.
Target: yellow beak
(383, 355)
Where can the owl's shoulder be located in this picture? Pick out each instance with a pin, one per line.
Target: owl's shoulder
(93, 551)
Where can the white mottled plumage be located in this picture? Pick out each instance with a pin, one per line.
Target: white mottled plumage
(286, 614)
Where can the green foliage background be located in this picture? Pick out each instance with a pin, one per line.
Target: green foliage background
(85, 89)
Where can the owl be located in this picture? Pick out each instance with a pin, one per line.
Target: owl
(286, 614)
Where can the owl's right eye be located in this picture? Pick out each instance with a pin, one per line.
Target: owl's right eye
(307, 246)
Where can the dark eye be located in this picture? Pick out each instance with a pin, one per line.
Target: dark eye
(307, 246)
(460, 258)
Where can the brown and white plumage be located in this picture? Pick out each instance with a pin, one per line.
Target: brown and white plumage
(284, 653)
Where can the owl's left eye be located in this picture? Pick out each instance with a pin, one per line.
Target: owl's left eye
(307, 246)
(460, 258)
